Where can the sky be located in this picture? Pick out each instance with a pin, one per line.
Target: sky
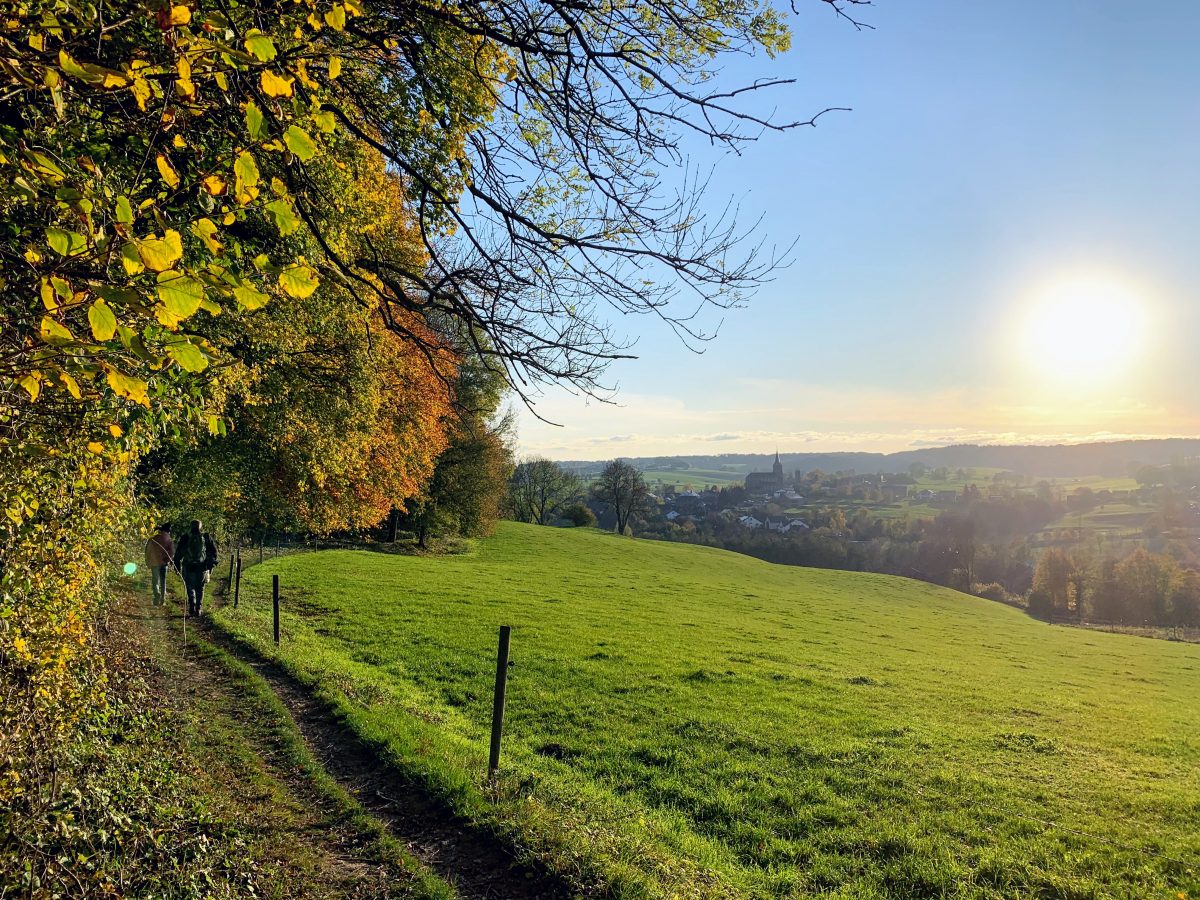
(998, 243)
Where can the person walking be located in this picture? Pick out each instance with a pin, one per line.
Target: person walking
(160, 553)
(197, 555)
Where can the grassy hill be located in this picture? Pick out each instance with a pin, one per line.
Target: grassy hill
(689, 722)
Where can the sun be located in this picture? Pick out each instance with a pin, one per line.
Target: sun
(1085, 330)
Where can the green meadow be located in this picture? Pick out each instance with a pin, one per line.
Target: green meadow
(686, 722)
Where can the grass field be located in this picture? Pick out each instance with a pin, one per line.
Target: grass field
(685, 722)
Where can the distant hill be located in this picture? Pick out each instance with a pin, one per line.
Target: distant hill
(1059, 460)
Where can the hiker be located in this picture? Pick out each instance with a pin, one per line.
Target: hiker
(197, 555)
(160, 553)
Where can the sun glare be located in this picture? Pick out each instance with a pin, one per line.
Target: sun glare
(1085, 330)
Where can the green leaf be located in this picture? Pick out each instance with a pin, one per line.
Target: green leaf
(249, 297)
(188, 356)
(54, 333)
(65, 243)
(181, 294)
(124, 211)
(260, 45)
(298, 281)
(255, 123)
(300, 143)
(285, 217)
(102, 320)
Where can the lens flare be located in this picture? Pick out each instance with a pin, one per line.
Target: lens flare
(130, 568)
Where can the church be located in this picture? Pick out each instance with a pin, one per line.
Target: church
(767, 482)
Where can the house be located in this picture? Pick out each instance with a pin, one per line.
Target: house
(671, 516)
(749, 522)
(893, 491)
(926, 495)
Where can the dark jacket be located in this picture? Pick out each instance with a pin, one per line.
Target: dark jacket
(160, 550)
(183, 550)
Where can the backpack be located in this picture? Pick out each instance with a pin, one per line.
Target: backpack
(194, 550)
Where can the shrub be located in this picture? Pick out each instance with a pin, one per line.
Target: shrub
(579, 516)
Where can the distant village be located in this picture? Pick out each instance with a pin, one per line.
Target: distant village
(764, 499)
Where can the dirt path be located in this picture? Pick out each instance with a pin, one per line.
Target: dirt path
(470, 858)
(305, 844)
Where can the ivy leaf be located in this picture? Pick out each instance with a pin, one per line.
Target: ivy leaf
(299, 142)
(298, 281)
(285, 217)
(261, 46)
(275, 85)
(181, 294)
(169, 175)
(102, 319)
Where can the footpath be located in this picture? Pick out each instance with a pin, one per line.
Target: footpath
(323, 817)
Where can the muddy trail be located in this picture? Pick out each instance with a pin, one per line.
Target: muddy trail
(472, 859)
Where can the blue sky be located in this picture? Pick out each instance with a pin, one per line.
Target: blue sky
(998, 154)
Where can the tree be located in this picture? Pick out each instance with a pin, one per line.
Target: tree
(1144, 581)
(621, 488)
(540, 489)
(1052, 580)
(1184, 599)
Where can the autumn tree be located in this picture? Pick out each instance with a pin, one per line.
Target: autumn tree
(540, 489)
(622, 489)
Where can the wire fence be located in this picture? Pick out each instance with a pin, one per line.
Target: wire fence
(892, 772)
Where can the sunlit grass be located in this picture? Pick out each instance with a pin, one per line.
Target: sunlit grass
(684, 721)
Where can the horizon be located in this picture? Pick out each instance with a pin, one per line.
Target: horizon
(984, 253)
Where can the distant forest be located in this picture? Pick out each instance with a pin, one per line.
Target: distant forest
(1061, 460)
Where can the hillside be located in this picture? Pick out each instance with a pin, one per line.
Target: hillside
(684, 721)
(1111, 458)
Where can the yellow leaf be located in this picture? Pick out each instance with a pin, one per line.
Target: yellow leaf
(102, 320)
(32, 383)
(115, 430)
(54, 332)
(206, 230)
(299, 281)
(71, 384)
(141, 90)
(335, 67)
(131, 260)
(95, 447)
(215, 185)
(178, 142)
(160, 254)
(336, 17)
(128, 387)
(274, 85)
(169, 175)
(180, 15)
(114, 80)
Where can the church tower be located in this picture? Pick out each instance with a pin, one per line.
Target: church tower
(777, 470)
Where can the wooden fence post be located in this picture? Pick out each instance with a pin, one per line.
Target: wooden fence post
(237, 584)
(275, 604)
(498, 699)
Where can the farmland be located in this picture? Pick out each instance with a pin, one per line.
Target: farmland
(688, 722)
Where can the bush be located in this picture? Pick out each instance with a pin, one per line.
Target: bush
(991, 591)
(579, 516)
